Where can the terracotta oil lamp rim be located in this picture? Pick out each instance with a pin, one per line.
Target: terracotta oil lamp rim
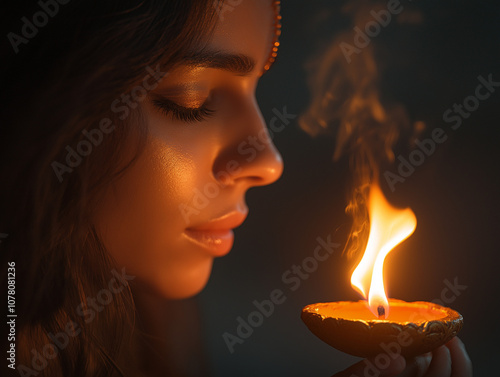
(449, 314)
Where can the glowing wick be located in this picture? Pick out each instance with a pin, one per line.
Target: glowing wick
(381, 312)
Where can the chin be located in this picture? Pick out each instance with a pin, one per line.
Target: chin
(184, 284)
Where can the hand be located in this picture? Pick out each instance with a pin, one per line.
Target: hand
(449, 360)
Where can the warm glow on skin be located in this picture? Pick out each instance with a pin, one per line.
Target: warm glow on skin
(139, 218)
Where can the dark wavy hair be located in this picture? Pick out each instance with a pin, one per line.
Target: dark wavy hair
(61, 82)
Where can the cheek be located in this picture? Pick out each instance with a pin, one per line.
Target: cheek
(141, 219)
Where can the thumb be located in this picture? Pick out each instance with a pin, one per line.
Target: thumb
(368, 367)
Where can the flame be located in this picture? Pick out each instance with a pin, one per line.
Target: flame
(389, 226)
(346, 99)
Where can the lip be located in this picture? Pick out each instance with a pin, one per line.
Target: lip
(217, 235)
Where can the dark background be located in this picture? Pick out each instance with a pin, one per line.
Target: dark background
(454, 194)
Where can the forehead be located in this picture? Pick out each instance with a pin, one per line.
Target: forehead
(245, 27)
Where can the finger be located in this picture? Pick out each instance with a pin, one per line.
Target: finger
(461, 365)
(440, 364)
(368, 367)
(417, 367)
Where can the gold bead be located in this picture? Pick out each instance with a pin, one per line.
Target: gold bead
(277, 32)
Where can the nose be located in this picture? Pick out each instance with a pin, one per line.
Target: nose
(250, 154)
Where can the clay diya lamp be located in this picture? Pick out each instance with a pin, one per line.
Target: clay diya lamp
(412, 328)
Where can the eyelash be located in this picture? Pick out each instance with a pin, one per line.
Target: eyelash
(185, 114)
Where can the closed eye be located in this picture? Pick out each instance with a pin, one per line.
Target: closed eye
(184, 114)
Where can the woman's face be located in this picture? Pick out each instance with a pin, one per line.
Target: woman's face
(173, 211)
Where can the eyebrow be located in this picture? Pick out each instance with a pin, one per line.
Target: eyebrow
(240, 64)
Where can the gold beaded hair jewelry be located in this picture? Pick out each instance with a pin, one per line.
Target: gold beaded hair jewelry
(277, 33)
